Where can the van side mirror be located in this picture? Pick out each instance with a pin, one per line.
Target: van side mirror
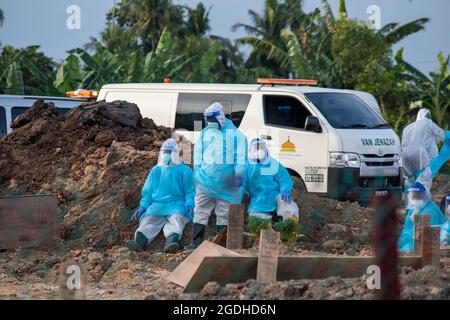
(312, 124)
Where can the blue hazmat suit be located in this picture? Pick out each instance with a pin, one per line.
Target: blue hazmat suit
(406, 242)
(265, 180)
(219, 157)
(169, 189)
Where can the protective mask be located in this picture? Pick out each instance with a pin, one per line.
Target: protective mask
(166, 158)
(213, 125)
(417, 204)
(260, 154)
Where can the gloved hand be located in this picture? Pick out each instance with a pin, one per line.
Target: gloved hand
(286, 196)
(190, 209)
(137, 214)
(238, 181)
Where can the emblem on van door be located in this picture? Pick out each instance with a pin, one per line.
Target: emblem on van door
(288, 146)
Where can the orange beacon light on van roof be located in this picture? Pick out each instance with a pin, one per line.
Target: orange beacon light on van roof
(294, 82)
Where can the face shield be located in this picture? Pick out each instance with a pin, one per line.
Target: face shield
(258, 151)
(214, 116)
(168, 154)
(417, 197)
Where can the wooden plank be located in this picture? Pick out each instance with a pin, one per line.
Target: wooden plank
(431, 250)
(268, 256)
(235, 230)
(420, 221)
(28, 221)
(183, 273)
(236, 269)
(445, 248)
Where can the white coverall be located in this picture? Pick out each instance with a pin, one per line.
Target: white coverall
(204, 205)
(423, 133)
(150, 226)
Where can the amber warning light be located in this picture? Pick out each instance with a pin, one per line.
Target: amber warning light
(294, 82)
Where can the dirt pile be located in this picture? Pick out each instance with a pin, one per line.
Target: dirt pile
(95, 159)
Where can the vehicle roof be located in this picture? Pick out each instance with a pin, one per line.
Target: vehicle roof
(221, 87)
(10, 96)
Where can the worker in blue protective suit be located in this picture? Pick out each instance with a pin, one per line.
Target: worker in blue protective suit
(266, 179)
(219, 165)
(418, 193)
(167, 201)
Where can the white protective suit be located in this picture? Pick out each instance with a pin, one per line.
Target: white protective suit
(423, 133)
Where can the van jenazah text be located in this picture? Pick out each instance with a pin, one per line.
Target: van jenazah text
(377, 142)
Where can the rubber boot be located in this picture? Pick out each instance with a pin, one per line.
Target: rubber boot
(172, 243)
(198, 235)
(139, 243)
(221, 236)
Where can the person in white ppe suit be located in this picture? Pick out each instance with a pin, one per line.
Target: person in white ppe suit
(167, 201)
(220, 155)
(423, 133)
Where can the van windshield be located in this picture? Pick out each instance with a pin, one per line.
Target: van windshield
(346, 111)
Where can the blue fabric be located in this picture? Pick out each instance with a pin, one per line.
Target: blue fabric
(219, 157)
(264, 182)
(406, 242)
(168, 190)
(443, 156)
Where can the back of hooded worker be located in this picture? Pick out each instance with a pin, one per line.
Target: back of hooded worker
(423, 133)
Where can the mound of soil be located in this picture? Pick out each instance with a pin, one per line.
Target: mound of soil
(95, 159)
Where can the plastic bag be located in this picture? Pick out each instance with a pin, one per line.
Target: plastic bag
(287, 210)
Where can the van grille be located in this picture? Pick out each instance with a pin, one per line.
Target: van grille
(379, 182)
(390, 155)
(380, 164)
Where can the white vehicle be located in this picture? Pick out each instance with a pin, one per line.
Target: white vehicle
(12, 106)
(334, 142)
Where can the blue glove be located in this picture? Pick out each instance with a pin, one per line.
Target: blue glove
(136, 215)
(286, 196)
(189, 209)
(238, 182)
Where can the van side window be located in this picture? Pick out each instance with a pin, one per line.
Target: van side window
(2, 122)
(17, 111)
(284, 111)
(190, 108)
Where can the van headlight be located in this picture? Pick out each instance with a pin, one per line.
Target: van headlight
(341, 159)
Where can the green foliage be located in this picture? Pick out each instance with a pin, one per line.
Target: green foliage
(25, 71)
(288, 229)
(255, 225)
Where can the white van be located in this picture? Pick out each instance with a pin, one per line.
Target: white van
(333, 142)
(11, 106)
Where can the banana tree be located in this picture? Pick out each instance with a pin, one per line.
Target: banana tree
(25, 71)
(432, 90)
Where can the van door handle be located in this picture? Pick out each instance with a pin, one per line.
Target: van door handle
(266, 137)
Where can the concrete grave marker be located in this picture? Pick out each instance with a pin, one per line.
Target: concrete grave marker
(268, 256)
(431, 250)
(420, 221)
(235, 231)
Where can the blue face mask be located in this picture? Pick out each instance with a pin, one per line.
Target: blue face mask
(213, 125)
(166, 158)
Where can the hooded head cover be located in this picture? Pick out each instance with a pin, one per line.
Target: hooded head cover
(423, 114)
(170, 147)
(215, 111)
(258, 150)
